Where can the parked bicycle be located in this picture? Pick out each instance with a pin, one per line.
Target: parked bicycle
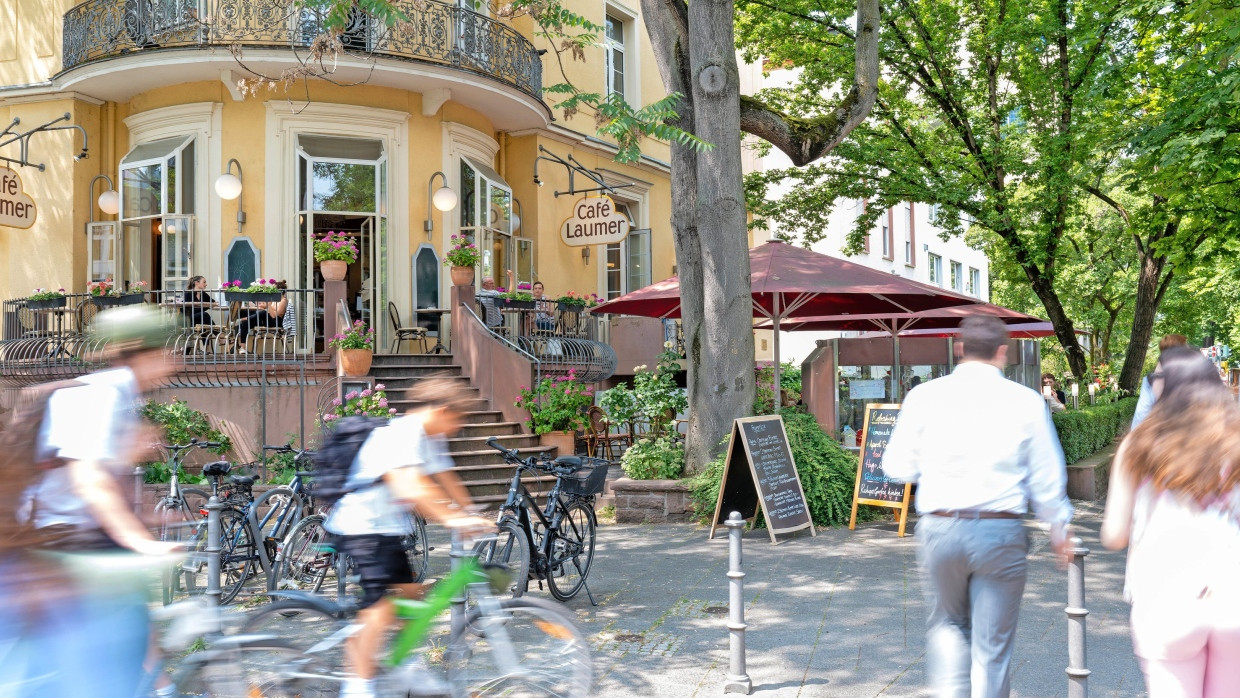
(504, 647)
(555, 543)
(180, 511)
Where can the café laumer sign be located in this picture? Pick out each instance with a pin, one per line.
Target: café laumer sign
(595, 221)
(16, 209)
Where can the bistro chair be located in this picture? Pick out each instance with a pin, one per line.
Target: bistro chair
(405, 334)
(599, 437)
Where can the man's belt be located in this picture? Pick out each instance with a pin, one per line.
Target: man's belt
(975, 514)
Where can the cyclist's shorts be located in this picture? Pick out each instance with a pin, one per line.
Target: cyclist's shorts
(380, 562)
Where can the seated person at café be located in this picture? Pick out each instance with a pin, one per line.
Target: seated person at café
(543, 318)
(197, 314)
(281, 313)
(488, 299)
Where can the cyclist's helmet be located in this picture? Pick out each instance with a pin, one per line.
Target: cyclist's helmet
(131, 329)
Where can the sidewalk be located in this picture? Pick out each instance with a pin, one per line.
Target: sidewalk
(839, 615)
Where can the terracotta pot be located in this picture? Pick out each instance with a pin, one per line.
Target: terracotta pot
(334, 269)
(356, 362)
(462, 276)
(564, 441)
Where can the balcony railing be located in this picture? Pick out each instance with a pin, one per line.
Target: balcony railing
(437, 32)
(560, 338)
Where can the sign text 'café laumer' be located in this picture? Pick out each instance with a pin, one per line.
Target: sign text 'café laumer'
(595, 221)
(16, 209)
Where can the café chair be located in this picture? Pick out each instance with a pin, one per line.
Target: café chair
(404, 334)
(599, 437)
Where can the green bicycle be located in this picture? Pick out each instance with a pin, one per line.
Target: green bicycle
(502, 647)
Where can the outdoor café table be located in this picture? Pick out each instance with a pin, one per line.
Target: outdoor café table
(440, 347)
(56, 347)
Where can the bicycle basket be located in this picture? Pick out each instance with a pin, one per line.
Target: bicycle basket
(588, 480)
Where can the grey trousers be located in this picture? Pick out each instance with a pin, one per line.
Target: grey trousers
(973, 574)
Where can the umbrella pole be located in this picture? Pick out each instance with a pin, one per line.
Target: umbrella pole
(778, 400)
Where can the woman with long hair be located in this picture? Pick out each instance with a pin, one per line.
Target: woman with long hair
(1174, 501)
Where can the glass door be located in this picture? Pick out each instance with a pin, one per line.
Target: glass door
(177, 243)
(104, 250)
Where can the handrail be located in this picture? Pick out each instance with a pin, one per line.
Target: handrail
(504, 340)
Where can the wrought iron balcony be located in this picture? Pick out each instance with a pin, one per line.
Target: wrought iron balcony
(437, 33)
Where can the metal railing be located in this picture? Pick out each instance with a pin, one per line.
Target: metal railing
(224, 341)
(561, 338)
(437, 32)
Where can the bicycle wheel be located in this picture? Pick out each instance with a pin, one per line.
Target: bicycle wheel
(237, 556)
(512, 548)
(519, 647)
(416, 548)
(305, 560)
(571, 551)
(262, 667)
(300, 625)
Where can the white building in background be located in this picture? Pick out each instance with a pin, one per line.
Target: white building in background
(904, 241)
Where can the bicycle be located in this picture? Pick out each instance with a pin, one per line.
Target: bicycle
(180, 510)
(501, 647)
(556, 543)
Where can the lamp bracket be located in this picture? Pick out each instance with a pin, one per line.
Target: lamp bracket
(574, 167)
(22, 138)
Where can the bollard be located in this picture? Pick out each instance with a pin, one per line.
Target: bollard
(139, 474)
(1078, 675)
(457, 553)
(737, 680)
(214, 534)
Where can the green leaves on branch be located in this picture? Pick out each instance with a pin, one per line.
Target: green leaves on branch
(617, 119)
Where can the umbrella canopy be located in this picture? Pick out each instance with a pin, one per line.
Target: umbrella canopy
(1020, 330)
(790, 281)
(906, 323)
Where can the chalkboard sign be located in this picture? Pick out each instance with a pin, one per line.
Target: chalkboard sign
(873, 486)
(770, 481)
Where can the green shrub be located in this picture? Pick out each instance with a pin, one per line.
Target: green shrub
(827, 473)
(660, 458)
(180, 423)
(1088, 430)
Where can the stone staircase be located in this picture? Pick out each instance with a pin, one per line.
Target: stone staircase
(480, 467)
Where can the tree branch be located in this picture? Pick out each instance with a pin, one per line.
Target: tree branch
(1119, 208)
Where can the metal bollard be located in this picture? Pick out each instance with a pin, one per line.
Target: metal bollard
(1078, 675)
(457, 553)
(139, 474)
(737, 680)
(214, 534)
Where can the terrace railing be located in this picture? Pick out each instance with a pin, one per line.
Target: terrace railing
(560, 337)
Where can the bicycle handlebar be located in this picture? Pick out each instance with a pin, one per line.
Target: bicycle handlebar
(538, 461)
(194, 442)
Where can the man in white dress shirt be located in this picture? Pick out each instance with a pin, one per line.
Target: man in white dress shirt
(981, 449)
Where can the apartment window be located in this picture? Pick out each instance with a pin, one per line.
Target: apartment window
(615, 51)
(908, 234)
(933, 218)
(957, 279)
(975, 282)
(936, 269)
(157, 198)
(627, 263)
(860, 211)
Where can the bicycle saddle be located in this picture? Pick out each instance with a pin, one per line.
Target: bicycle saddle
(219, 467)
(241, 480)
(568, 461)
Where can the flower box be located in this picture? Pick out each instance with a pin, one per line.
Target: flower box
(248, 297)
(124, 299)
(518, 305)
(571, 307)
(46, 303)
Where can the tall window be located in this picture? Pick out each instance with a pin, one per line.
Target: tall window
(157, 205)
(936, 269)
(486, 217)
(975, 282)
(627, 263)
(908, 233)
(614, 55)
(957, 279)
(885, 233)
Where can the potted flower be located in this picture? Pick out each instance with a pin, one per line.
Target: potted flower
(42, 298)
(557, 410)
(260, 290)
(522, 298)
(573, 303)
(370, 402)
(334, 252)
(356, 349)
(462, 258)
(137, 293)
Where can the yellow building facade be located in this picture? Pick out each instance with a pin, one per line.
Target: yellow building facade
(452, 98)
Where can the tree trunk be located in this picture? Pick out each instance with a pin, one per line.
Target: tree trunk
(1150, 287)
(727, 351)
(1065, 332)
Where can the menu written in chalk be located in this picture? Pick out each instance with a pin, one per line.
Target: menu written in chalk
(873, 486)
(770, 481)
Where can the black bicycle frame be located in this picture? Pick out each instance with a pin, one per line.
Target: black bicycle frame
(520, 502)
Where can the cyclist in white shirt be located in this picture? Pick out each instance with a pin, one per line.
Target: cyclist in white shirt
(401, 465)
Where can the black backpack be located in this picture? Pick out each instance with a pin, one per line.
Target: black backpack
(334, 460)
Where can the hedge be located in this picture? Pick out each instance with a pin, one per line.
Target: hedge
(827, 473)
(1084, 432)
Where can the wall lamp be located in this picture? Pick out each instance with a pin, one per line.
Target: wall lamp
(585, 255)
(228, 186)
(109, 200)
(444, 200)
(516, 214)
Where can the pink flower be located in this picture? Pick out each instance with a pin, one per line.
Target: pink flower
(329, 417)
(350, 395)
(366, 392)
(336, 402)
(392, 411)
(379, 386)
(383, 402)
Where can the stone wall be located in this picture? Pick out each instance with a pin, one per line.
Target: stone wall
(651, 501)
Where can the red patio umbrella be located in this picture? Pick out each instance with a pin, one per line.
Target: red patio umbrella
(1020, 330)
(905, 324)
(788, 281)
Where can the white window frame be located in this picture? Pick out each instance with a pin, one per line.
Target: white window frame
(957, 275)
(908, 233)
(934, 263)
(885, 234)
(628, 49)
(975, 282)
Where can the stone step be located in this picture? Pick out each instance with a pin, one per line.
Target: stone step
(488, 456)
(478, 443)
(488, 429)
(480, 417)
(473, 405)
(406, 382)
(414, 360)
(394, 371)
